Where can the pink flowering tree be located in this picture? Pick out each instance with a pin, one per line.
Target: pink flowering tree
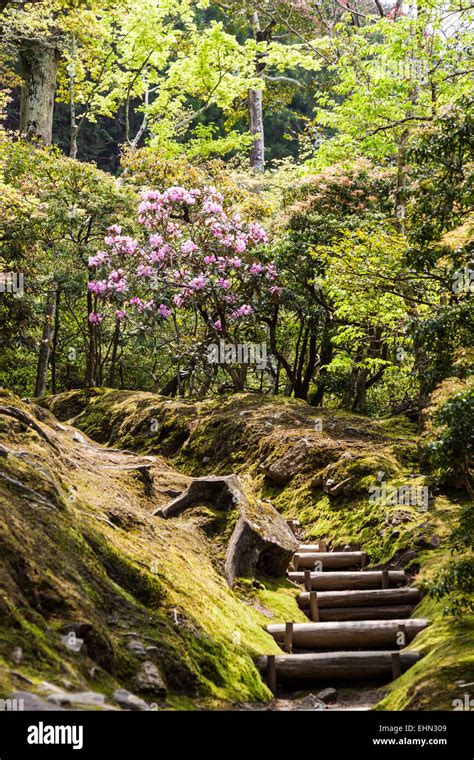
(192, 257)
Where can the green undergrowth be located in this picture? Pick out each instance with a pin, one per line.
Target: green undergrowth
(242, 432)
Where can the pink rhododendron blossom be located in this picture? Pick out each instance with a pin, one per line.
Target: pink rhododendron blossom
(156, 241)
(198, 283)
(240, 244)
(257, 233)
(95, 318)
(163, 311)
(99, 287)
(101, 258)
(243, 311)
(188, 247)
(179, 300)
(145, 271)
(192, 252)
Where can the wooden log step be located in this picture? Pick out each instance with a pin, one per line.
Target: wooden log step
(322, 666)
(385, 612)
(329, 560)
(333, 581)
(365, 634)
(365, 598)
(312, 548)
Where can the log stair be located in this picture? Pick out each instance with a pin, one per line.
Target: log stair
(359, 621)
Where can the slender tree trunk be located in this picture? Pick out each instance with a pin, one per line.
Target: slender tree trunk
(72, 98)
(39, 66)
(113, 359)
(325, 358)
(255, 100)
(91, 362)
(257, 153)
(52, 360)
(360, 401)
(46, 343)
(401, 182)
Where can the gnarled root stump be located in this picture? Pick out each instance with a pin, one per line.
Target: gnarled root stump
(261, 541)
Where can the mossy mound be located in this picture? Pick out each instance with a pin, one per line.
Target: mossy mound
(80, 548)
(243, 432)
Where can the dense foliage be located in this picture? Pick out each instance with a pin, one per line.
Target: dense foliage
(144, 239)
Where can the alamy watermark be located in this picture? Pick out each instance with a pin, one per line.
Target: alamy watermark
(12, 282)
(463, 281)
(403, 69)
(12, 705)
(464, 703)
(407, 495)
(238, 353)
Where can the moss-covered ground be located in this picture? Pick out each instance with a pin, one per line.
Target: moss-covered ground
(207, 655)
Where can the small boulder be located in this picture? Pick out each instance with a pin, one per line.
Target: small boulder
(283, 469)
(136, 646)
(149, 679)
(329, 483)
(32, 703)
(339, 487)
(310, 702)
(86, 698)
(328, 696)
(129, 701)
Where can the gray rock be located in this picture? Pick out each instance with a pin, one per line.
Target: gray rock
(33, 703)
(399, 516)
(283, 469)
(310, 702)
(136, 646)
(129, 701)
(339, 488)
(89, 698)
(328, 696)
(149, 679)
(78, 438)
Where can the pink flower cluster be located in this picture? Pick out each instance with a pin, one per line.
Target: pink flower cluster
(193, 253)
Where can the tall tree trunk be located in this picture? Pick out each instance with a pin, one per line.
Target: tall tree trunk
(46, 343)
(360, 401)
(39, 66)
(54, 348)
(91, 365)
(326, 356)
(72, 98)
(257, 153)
(255, 100)
(113, 360)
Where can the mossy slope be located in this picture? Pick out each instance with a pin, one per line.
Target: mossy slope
(78, 545)
(239, 433)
